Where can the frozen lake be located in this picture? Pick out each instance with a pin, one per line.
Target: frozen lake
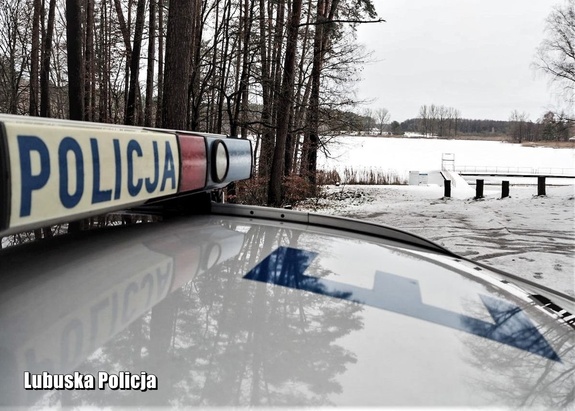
(400, 155)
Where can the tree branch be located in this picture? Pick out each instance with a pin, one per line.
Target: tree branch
(317, 23)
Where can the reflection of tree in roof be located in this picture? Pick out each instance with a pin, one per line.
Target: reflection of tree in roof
(518, 376)
(222, 340)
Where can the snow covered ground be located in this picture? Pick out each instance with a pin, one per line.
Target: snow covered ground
(526, 235)
(532, 237)
(401, 155)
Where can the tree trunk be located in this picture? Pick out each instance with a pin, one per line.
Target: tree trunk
(241, 106)
(275, 191)
(105, 102)
(89, 63)
(322, 35)
(35, 58)
(46, 58)
(312, 138)
(75, 62)
(195, 86)
(267, 113)
(174, 108)
(150, 72)
(135, 63)
(159, 103)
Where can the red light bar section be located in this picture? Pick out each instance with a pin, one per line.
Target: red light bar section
(193, 162)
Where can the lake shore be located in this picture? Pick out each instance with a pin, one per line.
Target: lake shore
(400, 156)
(487, 137)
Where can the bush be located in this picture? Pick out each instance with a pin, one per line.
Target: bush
(297, 188)
(255, 191)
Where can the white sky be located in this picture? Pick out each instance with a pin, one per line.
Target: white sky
(474, 55)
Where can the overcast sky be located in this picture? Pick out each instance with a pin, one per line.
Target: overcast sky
(473, 55)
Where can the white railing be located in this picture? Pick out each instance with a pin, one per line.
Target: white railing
(553, 171)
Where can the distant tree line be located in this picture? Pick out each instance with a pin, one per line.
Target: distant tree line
(550, 127)
(465, 126)
(282, 71)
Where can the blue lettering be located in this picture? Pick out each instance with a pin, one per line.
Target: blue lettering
(30, 182)
(133, 188)
(169, 169)
(151, 186)
(98, 196)
(511, 326)
(69, 144)
(118, 160)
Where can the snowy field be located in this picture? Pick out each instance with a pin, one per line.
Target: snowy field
(529, 236)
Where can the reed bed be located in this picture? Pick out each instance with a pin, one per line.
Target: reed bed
(360, 176)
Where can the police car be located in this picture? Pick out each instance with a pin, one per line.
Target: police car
(230, 305)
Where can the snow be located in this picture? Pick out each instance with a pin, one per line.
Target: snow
(401, 155)
(526, 235)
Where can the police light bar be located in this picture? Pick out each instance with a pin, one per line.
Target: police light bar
(54, 171)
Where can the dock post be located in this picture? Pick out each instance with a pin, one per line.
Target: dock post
(447, 188)
(478, 189)
(541, 186)
(504, 189)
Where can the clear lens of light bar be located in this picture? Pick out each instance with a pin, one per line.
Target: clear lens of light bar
(220, 161)
(238, 154)
(54, 171)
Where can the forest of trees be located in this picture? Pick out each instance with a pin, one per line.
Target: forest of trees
(446, 122)
(282, 71)
(464, 126)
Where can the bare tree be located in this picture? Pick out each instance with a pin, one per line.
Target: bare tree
(135, 64)
(275, 195)
(280, 70)
(438, 120)
(159, 103)
(518, 125)
(382, 116)
(89, 64)
(424, 120)
(75, 59)
(150, 71)
(369, 121)
(15, 30)
(35, 58)
(46, 58)
(556, 54)
(454, 117)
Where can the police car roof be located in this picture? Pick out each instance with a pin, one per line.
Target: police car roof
(240, 307)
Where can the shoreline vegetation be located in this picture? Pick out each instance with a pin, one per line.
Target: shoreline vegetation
(362, 176)
(487, 137)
